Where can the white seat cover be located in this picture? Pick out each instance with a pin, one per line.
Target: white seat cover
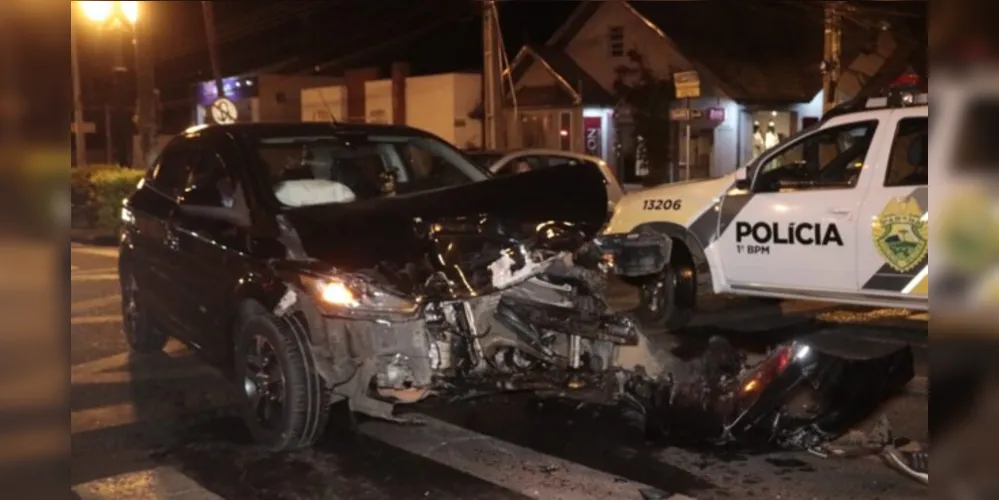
(305, 192)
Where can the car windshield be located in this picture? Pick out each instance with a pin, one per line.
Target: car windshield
(316, 170)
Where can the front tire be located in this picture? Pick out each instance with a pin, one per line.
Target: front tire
(285, 404)
(667, 300)
(140, 333)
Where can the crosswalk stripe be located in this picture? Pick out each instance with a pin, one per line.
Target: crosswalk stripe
(94, 320)
(161, 482)
(94, 277)
(101, 252)
(83, 305)
(538, 475)
(119, 360)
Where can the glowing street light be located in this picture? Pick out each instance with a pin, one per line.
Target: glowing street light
(97, 11)
(110, 11)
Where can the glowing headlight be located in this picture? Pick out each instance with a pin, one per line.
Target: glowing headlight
(337, 293)
(357, 295)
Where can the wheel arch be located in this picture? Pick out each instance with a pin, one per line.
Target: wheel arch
(682, 235)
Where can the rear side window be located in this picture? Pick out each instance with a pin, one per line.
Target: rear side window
(909, 161)
(173, 167)
(977, 147)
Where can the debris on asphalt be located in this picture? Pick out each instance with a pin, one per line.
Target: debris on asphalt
(657, 494)
(549, 468)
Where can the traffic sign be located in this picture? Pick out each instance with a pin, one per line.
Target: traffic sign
(224, 111)
(688, 84)
(685, 114)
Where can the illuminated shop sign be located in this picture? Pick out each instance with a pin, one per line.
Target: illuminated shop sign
(235, 87)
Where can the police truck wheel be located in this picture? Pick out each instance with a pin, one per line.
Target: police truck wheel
(667, 300)
(140, 333)
(285, 404)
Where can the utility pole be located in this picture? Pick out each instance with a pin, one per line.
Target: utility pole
(492, 74)
(832, 66)
(213, 52)
(145, 119)
(78, 132)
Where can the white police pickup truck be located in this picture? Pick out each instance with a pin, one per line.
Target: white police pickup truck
(836, 213)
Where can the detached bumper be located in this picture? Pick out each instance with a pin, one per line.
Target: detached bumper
(635, 254)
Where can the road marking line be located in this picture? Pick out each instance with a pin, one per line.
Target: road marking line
(119, 360)
(125, 376)
(161, 482)
(94, 277)
(102, 252)
(101, 270)
(93, 320)
(494, 461)
(95, 303)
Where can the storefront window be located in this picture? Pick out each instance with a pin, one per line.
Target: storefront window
(769, 129)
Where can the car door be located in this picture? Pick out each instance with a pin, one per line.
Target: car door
(794, 230)
(893, 241)
(212, 253)
(151, 209)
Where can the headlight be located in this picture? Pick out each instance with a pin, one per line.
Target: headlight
(347, 294)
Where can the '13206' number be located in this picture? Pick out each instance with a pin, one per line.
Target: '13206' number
(661, 204)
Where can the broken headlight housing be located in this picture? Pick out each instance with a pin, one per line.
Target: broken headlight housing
(352, 296)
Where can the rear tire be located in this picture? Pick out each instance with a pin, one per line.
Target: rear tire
(667, 299)
(285, 403)
(140, 332)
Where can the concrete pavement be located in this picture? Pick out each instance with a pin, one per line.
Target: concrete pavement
(155, 426)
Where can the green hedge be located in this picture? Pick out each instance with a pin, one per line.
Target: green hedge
(96, 194)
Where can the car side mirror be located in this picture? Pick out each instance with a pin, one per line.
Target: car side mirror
(742, 180)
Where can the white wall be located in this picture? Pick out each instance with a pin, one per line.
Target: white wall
(810, 109)
(430, 104)
(467, 95)
(727, 145)
(323, 103)
(378, 101)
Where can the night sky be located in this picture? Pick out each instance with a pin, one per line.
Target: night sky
(434, 36)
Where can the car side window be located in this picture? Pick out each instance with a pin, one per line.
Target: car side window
(558, 161)
(831, 158)
(908, 164)
(173, 168)
(209, 172)
(520, 165)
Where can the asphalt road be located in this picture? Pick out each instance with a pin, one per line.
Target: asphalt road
(156, 426)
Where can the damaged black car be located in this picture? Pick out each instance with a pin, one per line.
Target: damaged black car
(377, 265)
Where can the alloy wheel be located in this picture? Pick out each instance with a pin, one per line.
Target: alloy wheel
(264, 383)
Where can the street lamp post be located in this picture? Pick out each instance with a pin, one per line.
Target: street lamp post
(120, 17)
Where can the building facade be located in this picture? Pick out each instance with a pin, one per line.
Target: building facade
(754, 93)
(258, 98)
(440, 104)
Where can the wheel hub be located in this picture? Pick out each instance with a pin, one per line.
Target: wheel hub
(264, 381)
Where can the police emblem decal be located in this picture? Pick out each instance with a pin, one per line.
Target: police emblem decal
(901, 235)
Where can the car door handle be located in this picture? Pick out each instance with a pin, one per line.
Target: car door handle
(840, 211)
(171, 241)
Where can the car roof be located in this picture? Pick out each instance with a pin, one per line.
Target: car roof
(307, 128)
(552, 152)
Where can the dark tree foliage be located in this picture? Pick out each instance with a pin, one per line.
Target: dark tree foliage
(650, 97)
